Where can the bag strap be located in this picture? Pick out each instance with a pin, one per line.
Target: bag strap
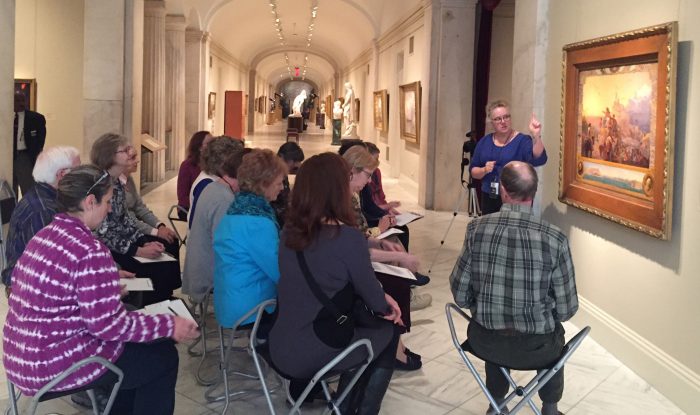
(318, 293)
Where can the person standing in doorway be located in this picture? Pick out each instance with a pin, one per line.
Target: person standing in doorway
(28, 138)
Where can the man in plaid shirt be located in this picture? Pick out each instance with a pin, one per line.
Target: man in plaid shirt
(516, 276)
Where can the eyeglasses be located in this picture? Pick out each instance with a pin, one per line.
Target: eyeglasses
(368, 173)
(504, 117)
(96, 183)
(127, 150)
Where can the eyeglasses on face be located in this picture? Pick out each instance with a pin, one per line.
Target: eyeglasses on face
(126, 150)
(104, 176)
(504, 117)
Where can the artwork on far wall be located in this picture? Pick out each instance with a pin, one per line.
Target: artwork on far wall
(409, 109)
(381, 110)
(357, 110)
(211, 108)
(618, 127)
(27, 87)
(329, 107)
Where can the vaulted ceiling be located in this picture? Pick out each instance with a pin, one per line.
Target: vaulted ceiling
(247, 29)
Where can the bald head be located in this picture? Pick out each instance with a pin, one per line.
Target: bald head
(519, 180)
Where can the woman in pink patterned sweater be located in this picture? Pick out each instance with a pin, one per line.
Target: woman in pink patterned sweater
(66, 306)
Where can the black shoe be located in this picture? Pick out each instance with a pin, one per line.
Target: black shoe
(421, 279)
(410, 353)
(411, 364)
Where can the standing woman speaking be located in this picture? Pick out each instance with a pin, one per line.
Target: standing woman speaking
(497, 149)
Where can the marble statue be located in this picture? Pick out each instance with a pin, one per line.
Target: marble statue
(349, 112)
(298, 102)
(337, 110)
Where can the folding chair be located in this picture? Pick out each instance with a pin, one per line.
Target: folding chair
(44, 393)
(8, 201)
(324, 376)
(527, 392)
(201, 310)
(174, 216)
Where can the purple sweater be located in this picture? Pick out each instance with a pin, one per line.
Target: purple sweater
(65, 306)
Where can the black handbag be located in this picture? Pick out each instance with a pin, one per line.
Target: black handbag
(335, 324)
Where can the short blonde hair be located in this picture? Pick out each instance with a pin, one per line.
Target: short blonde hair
(498, 103)
(259, 169)
(359, 158)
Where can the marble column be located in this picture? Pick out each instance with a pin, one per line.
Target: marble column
(196, 74)
(446, 99)
(251, 99)
(153, 120)
(7, 71)
(133, 76)
(103, 69)
(175, 90)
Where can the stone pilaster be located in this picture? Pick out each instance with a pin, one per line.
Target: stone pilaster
(196, 74)
(153, 121)
(7, 70)
(445, 99)
(251, 99)
(175, 91)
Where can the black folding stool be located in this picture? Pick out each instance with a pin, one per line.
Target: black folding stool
(527, 392)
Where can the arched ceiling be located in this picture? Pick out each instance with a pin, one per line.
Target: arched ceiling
(343, 29)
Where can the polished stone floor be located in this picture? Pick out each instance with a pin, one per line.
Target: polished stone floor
(596, 382)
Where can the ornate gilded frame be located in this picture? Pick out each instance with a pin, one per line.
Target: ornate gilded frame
(627, 179)
(381, 110)
(410, 105)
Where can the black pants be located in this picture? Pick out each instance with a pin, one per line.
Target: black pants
(22, 172)
(165, 275)
(150, 375)
(490, 204)
(519, 352)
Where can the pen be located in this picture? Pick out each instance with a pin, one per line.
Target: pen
(173, 311)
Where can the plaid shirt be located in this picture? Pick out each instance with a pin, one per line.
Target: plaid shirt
(515, 272)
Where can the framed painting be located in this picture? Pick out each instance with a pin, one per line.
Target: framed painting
(211, 107)
(617, 127)
(329, 107)
(357, 110)
(27, 87)
(409, 109)
(381, 110)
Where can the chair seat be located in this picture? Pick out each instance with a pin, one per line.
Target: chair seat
(467, 347)
(59, 394)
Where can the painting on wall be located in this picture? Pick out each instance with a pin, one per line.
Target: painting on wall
(409, 109)
(357, 110)
(381, 110)
(211, 108)
(617, 127)
(27, 87)
(329, 107)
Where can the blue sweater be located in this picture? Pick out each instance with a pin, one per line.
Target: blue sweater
(519, 149)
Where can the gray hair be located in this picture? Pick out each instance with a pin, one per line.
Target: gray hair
(51, 161)
(519, 179)
(216, 153)
(498, 103)
(104, 149)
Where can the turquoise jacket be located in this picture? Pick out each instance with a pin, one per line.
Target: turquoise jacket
(246, 269)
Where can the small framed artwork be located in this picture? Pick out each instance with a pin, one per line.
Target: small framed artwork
(618, 127)
(27, 87)
(211, 108)
(357, 110)
(329, 107)
(381, 110)
(409, 109)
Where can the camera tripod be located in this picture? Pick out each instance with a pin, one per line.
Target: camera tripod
(473, 211)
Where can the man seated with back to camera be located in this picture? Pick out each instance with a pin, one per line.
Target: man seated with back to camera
(292, 155)
(38, 207)
(516, 276)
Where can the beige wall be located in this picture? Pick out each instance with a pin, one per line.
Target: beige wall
(501, 65)
(49, 48)
(225, 74)
(638, 293)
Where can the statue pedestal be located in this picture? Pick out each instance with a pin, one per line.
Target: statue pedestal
(296, 123)
(321, 121)
(337, 124)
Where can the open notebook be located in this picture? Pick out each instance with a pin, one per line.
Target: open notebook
(172, 307)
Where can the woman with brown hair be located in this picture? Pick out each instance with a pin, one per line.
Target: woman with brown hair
(190, 168)
(320, 225)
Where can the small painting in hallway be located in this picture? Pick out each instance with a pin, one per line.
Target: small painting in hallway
(381, 111)
(409, 107)
(27, 87)
(617, 138)
(211, 108)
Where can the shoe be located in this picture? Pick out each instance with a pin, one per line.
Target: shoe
(82, 399)
(420, 301)
(421, 279)
(410, 353)
(411, 364)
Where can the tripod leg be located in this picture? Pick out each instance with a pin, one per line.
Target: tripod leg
(455, 211)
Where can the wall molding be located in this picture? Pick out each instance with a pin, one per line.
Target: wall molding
(670, 376)
(220, 52)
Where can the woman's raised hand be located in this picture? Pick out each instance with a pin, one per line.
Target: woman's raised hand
(535, 127)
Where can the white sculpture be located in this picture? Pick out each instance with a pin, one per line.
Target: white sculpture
(298, 102)
(323, 108)
(349, 112)
(337, 110)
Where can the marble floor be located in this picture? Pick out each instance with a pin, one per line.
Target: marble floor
(596, 382)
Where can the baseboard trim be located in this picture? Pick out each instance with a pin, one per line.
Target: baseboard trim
(668, 375)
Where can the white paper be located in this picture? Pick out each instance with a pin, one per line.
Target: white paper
(389, 232)
(137, 284)
(172, 307)
(393, 270)
(406, 218)
(162, 258)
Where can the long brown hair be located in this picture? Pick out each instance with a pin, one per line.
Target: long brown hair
(321, 193)
(194, 149)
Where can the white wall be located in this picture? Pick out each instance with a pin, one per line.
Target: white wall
(225, 74)
(501, 65)
(49, 48)
(638, 293)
